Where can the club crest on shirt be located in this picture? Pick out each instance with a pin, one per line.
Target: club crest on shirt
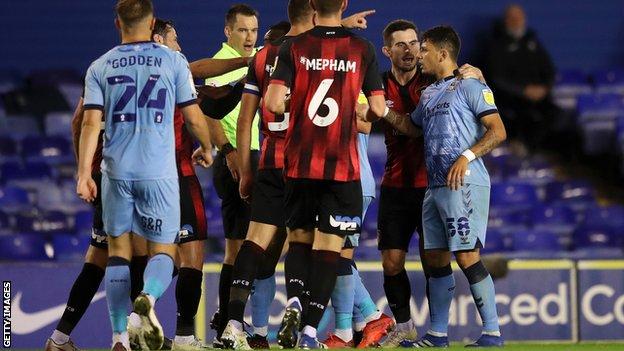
(452, 86)
(488, 96)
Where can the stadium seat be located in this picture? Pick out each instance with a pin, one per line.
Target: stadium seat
(13, 198)
(49, 222)
(558, 219)
(19, 247)
(49, 149)
(495, 242)
(513, 196)
(609, 81)
(28, 176)
(599, 106)
(609, 216)
(571, 192)
(586, 237)
(58, 124)
(504, 221)
(536, 241)
(69, 247)
(5, 223)
(568, 85)
(19, 126)
(83, 223)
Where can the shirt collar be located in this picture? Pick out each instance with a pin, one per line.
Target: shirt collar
(233, 51)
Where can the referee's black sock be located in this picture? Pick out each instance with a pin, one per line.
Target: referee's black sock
(188, 294)
(398, 291)
(225, 282)
(296, 268)
(137, 267)
(80, 296)
(321, 284)
(249, 258)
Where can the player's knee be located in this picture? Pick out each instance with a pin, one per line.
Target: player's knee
(97, 256)
(393, 265)
(466, 259)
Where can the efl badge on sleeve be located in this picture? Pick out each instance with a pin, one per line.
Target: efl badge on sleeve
(488, 96)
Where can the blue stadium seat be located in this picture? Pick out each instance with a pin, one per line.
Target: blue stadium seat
(50, 149)
(513, 196)
(5, 223)
(19, 247)
(69, 247)
(83, 223)
(13, 198)
(58, 124)
(505, 221)
(495, 242)
(28, 176)
(19, 126)
(536, 241)
(571, 192)
(609, 216)
(49, 222)
(587, 237)
(609, 81)
(558, 219)
(599, 106)
(568, 85)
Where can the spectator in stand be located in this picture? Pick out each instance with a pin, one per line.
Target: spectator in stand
(521, 72)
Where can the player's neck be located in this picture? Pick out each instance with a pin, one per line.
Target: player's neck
(135, 36)
(401, 76)
(446, 71)
(334, 20)
(299, 28)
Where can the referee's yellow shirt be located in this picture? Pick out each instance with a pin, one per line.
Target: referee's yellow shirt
(229, 121)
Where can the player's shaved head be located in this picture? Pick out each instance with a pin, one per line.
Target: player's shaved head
(299, 11)
(131, 12)
(397, 26)
(327, 7)
(444, 37)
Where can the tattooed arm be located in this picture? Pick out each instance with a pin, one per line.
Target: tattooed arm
(494, 135)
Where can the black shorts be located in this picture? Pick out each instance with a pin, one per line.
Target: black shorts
(267, 200)
(98, 236)
(234, 211)
(400, 214)
(332, 207)
(192, 214)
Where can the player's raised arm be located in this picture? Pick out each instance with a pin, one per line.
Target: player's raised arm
(281, 80)
(357, 20)
(76, 125)
(210, 67)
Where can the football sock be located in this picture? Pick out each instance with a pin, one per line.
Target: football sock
(342, 298)
(358, 320)
(188, 292)
(244, 271)
(321, 283)
(225, 283)
(157, 276)
(309, 331)
(80, 296)
(296, 268)
(117, 282)
(261, 299)
(137, 268)
(363, 300)
(482, 288)
(442, 288)
(398, 291)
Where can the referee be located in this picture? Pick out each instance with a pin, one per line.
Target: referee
(241, 30)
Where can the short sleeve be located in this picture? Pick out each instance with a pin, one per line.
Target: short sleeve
(417, 115)
(284, 66)
(251, 85)
(479, 97)
(93, 92)
(372, 84)
(185, 87)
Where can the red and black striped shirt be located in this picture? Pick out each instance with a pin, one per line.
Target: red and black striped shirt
(273, 127)
(405, 163)
(325, 68)
(183, 145)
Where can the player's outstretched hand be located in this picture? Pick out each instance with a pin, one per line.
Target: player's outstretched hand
(86, 188)
(455, 178)
(357, 20)
(202, 157)
(245, 185)
(468, 71)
